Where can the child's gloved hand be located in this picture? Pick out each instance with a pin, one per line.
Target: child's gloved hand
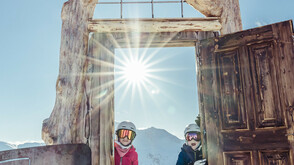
(200, 162)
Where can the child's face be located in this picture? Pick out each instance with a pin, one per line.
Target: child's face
(125, 141)
(193, 143)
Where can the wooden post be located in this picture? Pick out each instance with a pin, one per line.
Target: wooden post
(68, 116)
(101, 76)
(227, 10)
(203, 88)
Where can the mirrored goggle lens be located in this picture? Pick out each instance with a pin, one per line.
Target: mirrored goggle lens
(126, 133)
(193, 135)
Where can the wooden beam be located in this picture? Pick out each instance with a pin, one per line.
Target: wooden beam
(149, 40)
(154, 25)
(181, 39)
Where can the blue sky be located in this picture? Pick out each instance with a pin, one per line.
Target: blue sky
(29, 51)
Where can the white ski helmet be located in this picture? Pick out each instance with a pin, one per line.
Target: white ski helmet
(126, 125)
(191, 128)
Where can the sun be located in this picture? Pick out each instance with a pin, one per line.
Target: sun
(135, 72)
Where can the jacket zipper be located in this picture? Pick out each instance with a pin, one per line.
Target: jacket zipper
(120, 162)
(195, 156)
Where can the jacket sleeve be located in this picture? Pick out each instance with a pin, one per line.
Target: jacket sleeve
(181, 160)
(135, 161)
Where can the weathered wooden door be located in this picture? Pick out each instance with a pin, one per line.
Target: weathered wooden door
(246, 91)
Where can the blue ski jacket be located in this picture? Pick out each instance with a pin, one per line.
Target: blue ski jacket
(188, 156)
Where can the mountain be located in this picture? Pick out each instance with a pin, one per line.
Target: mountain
(157, 147)
(7, 146)
(30, 144)
(154, 146)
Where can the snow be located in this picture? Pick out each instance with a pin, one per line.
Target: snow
(9, 146)
(157, 147)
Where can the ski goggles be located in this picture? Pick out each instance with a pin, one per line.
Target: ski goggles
(193, 135)
(122, 133)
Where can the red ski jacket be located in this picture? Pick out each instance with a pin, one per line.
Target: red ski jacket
(130, 158)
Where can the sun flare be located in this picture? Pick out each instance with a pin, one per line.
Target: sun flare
(135, 72)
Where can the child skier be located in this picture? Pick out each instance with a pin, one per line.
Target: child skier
(125, 153)
(191, 153)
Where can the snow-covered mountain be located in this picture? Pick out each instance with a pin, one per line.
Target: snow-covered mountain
(30, 144)
(154, 146)
(7, 146)
(157, 147)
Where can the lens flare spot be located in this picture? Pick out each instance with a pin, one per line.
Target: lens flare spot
(135, 71)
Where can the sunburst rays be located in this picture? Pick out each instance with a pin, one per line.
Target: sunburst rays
(134, 72)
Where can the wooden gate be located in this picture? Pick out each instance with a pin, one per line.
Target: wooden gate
(246, 92)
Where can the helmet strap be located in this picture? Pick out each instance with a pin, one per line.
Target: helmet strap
(123, 146)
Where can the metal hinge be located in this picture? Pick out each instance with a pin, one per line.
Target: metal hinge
(290, 109)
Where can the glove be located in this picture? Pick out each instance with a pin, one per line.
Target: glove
(200, 162)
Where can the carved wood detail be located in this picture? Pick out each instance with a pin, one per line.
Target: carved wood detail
(233, 113)
(274, 157)
(268, 110)
(238, 158)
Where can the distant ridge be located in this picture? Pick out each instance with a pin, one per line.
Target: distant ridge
(8, 146)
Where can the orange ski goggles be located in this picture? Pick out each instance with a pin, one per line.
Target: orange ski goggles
(193, 135)
(122, 133)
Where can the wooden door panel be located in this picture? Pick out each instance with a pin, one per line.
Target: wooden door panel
(255, 140)
(238, 158)
(268, 111)
(274, 157)
(231, 98)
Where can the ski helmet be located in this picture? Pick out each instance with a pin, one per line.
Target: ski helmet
(191, 128)
(126, 125)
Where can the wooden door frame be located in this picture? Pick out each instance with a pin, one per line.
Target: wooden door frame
(124, 40)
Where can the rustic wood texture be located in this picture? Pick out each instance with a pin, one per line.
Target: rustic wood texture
(163, 39)
(204, 95)
(101, 77)
(286, 76)
(227, 10)
(241, 157)
(274, 157)
(207, 89)
(154, 25)
(249, 107)
(233, 113)
(66, 123)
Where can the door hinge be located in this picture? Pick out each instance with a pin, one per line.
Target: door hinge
(289, 134)
(290, 109)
